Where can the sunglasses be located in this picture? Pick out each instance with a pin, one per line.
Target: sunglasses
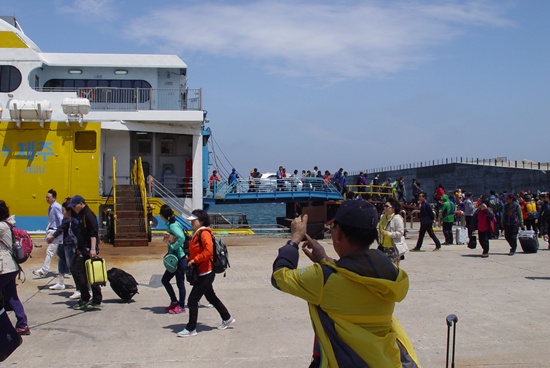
(387, 206)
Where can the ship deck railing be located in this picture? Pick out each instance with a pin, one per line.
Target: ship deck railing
(256, 185)
(135, 99)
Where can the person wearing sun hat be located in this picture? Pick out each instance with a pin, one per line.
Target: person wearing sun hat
(351, 300)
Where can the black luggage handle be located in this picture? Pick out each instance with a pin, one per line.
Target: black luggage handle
(452, 319)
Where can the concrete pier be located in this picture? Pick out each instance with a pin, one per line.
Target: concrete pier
(501, 303)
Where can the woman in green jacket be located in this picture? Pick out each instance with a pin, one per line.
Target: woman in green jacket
(175, 242)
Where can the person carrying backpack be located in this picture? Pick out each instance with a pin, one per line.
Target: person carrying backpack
(9, 269)
(201, 252)
(175, 246)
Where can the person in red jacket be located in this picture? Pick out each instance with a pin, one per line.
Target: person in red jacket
(201, 252)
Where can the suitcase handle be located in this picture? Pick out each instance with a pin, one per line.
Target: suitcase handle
(452, 319)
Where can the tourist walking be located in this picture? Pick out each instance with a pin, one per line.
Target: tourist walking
(391, 229)
(447, 214)
(482, 221)
(201, 251)
(87, 248)
(175, 243)
(55, 216)
(511, 221)
(355, 294)
(9, 269)
(469, 209)
(427, 218)
(65, 251)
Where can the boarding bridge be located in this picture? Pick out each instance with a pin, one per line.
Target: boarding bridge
(269, 190)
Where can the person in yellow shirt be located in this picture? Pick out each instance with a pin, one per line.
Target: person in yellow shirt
(351, 300)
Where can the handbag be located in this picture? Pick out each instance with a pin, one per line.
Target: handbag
(472, 243)
(9, 337)
(170, 262)
(192, 274)
(402, 246)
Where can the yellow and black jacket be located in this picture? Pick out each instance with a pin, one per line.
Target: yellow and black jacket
(351, 303)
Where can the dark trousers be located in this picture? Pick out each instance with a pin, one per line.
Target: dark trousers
(468, 220)
(483, 238)
(448, 232)
(511, 235)
(204, 286)
(78, 269)
(8, 286)
(180, 282)
(424, 228)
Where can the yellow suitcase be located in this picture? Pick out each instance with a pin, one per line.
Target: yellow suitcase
(96, 271)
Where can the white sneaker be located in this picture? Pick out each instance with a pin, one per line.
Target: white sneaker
(209, 305)
(185, 333)
(57, 286)
(76, 295)
(39, 273)
(227, 323)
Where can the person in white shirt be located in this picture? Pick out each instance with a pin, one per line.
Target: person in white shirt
(55, 216)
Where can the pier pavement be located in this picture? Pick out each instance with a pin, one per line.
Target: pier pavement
(501, 303)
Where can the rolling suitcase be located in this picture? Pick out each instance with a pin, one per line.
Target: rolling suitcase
(122, 283)
(461, 235)
(528, 241)
(96, 271)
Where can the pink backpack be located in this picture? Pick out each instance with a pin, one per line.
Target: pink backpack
(21, 244)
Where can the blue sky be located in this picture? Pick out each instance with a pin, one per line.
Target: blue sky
(352, 84)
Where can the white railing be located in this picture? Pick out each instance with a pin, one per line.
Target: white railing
(270, 185)
(133, 99)
(157, 189)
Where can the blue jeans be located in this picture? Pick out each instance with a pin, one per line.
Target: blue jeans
(65, 252)
(9, 288)
(180, 282)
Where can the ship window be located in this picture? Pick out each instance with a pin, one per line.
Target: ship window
(167, 147)
(144, 147)
(10, 78)
(85, 141)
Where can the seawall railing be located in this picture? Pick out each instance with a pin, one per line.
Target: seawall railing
(497, 162)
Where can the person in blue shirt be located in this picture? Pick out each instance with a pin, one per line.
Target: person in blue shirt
(232, 180)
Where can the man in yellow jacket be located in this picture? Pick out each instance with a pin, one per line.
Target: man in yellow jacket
(351, 300)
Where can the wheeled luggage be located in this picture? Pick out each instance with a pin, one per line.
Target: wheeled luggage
(528, 241)
(96, 271)
(461, 235)
(451, 321)
(122, 283)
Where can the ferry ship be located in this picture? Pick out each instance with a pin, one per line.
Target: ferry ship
(108, 127)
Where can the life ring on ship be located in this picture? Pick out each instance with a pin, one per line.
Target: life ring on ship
(87, 93)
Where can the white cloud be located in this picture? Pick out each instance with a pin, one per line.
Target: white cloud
(89, 9)
(342, 40)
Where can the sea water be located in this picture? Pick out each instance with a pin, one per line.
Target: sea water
(256, 213)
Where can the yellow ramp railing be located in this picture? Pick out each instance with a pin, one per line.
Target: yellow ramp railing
(114, 195)
(138, 178)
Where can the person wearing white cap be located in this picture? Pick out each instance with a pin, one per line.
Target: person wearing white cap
(201, 252)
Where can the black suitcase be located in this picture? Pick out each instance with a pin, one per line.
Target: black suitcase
(122, 283)
(528, 241)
